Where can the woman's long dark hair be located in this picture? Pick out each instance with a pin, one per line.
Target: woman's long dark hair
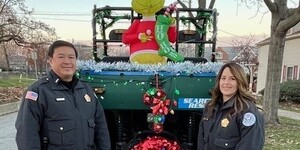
(242, 94)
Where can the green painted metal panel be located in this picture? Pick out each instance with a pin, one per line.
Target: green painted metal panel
(125, 92)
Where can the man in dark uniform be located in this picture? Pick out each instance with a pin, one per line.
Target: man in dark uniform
(59, 111)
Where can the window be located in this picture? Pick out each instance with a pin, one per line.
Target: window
(289, 75)
(284, 73)
(295, 72)
(299, 75)
(290, 31)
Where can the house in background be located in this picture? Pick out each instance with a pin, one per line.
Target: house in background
(223, 54)
(291, 61)
(18, 62)
(248, 55)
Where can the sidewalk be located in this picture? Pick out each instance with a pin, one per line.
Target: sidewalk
(9, 108)
(286, 113)
(289, 114)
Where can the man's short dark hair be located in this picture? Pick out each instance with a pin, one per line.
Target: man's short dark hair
(60, 43)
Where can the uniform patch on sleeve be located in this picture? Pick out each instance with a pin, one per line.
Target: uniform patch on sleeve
(248, 119)
(30, 95)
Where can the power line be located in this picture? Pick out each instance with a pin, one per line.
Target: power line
(45, 14)
(75, 20)
(227, 32)
(56, 14)
(224, 42)
(61, 12)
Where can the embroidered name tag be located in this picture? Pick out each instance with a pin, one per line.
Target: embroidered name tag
(60, 99)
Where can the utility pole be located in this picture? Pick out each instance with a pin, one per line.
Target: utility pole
(34, 57)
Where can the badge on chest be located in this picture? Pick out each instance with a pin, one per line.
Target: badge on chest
(87, 98)
(224, 122)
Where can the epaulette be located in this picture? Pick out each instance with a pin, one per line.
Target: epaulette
(40, 82)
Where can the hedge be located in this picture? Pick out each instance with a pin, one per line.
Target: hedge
(289, 91)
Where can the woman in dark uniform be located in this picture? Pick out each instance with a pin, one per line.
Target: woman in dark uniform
(231, 119)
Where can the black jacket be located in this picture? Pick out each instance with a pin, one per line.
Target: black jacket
(53, 116)
(244, 131)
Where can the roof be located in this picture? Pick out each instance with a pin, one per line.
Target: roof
(295, 35)
(244, 51)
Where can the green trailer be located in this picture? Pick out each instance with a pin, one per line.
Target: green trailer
(129, 96)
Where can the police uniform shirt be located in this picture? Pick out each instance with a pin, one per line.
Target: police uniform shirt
(244, 131)
(53, 116)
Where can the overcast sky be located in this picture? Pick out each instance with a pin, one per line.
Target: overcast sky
(72, 18)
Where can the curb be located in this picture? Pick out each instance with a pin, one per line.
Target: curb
(9, 108)
(286, 113)
(289, 114)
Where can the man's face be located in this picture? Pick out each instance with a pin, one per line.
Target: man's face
(63, 62)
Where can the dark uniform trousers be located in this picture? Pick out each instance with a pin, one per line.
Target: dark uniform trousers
(229, 133)
(61, 118)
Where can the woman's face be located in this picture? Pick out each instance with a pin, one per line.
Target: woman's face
(227, 84)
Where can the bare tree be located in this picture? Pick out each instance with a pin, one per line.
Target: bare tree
(18, 26)
(283, 18)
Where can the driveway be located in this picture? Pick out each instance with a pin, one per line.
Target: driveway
(8, 132)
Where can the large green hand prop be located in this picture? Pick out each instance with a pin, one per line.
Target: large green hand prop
(161, 35)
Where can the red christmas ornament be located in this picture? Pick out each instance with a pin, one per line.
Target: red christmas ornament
(160, 93)
(175, 103)
(147, 99)
(157, 143)
(158, 128)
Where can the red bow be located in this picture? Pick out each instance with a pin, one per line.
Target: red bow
(161, 107)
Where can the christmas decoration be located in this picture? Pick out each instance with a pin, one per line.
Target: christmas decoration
(179, 68)
(141, 35)
(157, 143)
(160, 105)
(163, 23)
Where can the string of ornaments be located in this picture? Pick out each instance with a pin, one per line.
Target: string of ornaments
(156, 98)
(160, 105)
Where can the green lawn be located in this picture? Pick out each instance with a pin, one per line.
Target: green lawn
(14, 81)
(284, 136)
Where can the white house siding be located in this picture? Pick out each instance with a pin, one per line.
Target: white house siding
(296, 28)
(262, 67)
(291, 58)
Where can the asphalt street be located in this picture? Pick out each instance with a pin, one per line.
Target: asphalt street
(8, 132)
